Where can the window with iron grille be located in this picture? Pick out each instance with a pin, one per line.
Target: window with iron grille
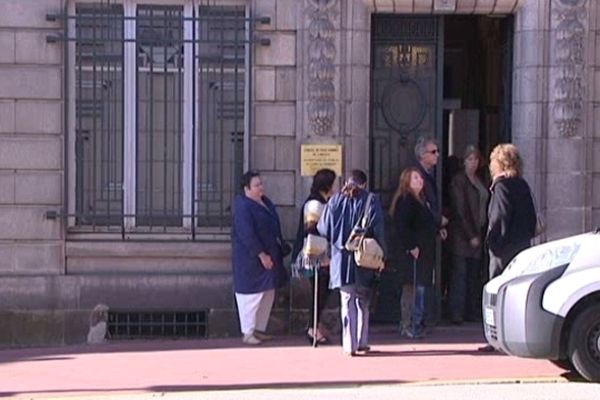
(160, 95)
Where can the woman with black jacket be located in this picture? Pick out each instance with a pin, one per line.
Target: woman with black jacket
(321, 190)
(417, 231)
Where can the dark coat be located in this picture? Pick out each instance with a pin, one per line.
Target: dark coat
(511, 216)
(416, 227)
(465, 218)
(339, 217)
(255, 229)
(431, 193)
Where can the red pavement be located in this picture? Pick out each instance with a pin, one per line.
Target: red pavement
(448, 354)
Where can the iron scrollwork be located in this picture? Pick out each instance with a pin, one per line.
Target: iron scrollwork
(569, 88)
(321, 68)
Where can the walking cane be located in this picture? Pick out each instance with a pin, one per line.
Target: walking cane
(414, 297)
(316, 303)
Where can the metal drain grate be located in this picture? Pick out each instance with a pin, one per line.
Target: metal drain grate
(157, 324)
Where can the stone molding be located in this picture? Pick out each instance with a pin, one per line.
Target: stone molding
(439, 6)
(321, 65)
(569, 86)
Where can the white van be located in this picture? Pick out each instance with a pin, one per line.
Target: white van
(546, 304)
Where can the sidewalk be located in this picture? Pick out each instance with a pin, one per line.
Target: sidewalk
(449, 354)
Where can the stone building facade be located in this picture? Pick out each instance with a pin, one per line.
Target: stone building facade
(307, 72)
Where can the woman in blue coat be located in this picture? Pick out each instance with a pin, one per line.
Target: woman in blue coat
(257, 258)
(342, 213)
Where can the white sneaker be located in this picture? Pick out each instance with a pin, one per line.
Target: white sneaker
(251, 339)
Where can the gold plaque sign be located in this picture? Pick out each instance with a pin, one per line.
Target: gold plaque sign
(314, 157)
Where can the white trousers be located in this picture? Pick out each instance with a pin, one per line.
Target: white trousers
(354, 308)
(254, 310)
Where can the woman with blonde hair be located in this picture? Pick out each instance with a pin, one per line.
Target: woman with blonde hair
(511, 212)
(417, 230)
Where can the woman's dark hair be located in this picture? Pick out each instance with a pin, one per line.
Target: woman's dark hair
(322, 181)
(247, 177)
(353, 185)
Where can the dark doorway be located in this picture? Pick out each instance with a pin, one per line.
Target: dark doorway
(444, 77)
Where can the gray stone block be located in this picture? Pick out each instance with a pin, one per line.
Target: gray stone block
(31, 82)
(31, 48)
(39, 117)
(263, 149)
(38, 188)
(142, 264)
(285, 84)
(527, 49)
(77, 324)
(388, 6)
(38, 258)
(288, 216)
(49, 292)
(7, 47)
(266, 8)
(532, 15)
(595, 192)
(138, 292)
(7, 116)
(527, 119)
(30, 153)
(563, 222)
(148, 258)
(357, 116)
(361, 48)
(356, 154)
(264, 89)
(286, 153)
(27, 223)
(279, 187)
(565, 155)
(7, 183)
(6, 258)
(36, 328)
(530, 83)
(29, 13)
(281, 51)
(565, 190)
(275, 119)
(288, 12)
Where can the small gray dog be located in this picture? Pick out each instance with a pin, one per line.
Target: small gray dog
(98, 325)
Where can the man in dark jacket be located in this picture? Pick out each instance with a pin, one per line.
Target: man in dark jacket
(427, 154)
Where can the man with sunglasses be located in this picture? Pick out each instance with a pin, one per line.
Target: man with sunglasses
(427, 154)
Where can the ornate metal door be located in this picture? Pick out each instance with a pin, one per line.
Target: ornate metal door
(406, 78)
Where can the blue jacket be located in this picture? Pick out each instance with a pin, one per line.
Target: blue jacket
(336, 223)
(255, 229)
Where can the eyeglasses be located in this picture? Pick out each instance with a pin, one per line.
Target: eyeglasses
(435, 151)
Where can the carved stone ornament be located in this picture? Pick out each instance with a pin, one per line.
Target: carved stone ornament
(321, 67)
(570, 58)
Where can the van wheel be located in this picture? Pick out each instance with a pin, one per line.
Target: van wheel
(584, 343)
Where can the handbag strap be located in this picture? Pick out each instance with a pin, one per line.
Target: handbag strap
(365, 215)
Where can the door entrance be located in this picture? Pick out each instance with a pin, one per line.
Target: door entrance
(448, 78)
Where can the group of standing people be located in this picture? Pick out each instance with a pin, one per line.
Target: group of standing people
(501, 216)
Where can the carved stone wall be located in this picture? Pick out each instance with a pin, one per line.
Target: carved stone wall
(569, 85)
(321, 65)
